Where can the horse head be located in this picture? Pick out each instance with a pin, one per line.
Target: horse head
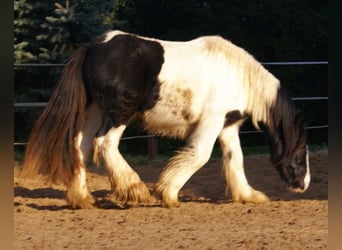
(289, 151)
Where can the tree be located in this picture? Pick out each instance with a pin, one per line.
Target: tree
(49, 32)
(26, 26)
(63, 27)
(272, 30)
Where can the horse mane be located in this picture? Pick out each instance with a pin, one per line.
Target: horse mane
(267, 102)
(287, 129)
(259, 86)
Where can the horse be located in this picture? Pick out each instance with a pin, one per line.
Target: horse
(201, 90)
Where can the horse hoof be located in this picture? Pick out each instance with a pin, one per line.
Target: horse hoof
(136, 193)
(254, 197)
(170, 204)
(166, 200)
(84, 203)
(259, 197)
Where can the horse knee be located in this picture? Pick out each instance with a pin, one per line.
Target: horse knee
(202, 158)
(106, 145)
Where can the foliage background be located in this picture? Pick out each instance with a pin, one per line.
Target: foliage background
(288, 30)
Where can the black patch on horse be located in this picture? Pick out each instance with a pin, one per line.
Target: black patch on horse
(233, 117)
(121, 76)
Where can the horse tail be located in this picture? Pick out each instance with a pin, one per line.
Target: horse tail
(51, 150)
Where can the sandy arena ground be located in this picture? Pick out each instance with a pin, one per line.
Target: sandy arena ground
(206, 219)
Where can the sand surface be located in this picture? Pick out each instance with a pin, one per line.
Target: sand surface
(206, 218)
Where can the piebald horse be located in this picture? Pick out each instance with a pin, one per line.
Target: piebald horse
(199, 90)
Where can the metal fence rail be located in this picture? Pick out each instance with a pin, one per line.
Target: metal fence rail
(154, 136)
(43, 104)
(264, 63)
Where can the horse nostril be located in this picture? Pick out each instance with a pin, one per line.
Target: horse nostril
(298, 187)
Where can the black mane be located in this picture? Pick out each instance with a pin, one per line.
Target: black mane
(287, 130)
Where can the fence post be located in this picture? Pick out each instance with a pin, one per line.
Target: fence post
(152, 147)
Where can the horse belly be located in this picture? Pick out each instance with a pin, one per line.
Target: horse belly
(174, 115)
(182, 94)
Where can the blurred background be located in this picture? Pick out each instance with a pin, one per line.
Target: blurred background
(276, 33)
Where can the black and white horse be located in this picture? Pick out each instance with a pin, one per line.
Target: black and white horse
(198, 90)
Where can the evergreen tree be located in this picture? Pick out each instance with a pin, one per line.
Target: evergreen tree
(50, 32)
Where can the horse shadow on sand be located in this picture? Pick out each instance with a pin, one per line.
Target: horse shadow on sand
(203, 187)
(102, 197)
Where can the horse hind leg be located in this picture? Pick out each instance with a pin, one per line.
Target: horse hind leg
(126, 184)
(77, 194)
(233, 170)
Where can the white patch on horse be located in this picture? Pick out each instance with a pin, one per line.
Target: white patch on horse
(174, 114)
(109, 35)
(125, 182)
(233, 169)
(307, 177)
(77, 193)
(187, 161)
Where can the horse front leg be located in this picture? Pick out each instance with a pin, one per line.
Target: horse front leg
(182, 166)
(233, 169)
(125, 183)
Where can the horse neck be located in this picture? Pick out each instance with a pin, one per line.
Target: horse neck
(269, 104)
